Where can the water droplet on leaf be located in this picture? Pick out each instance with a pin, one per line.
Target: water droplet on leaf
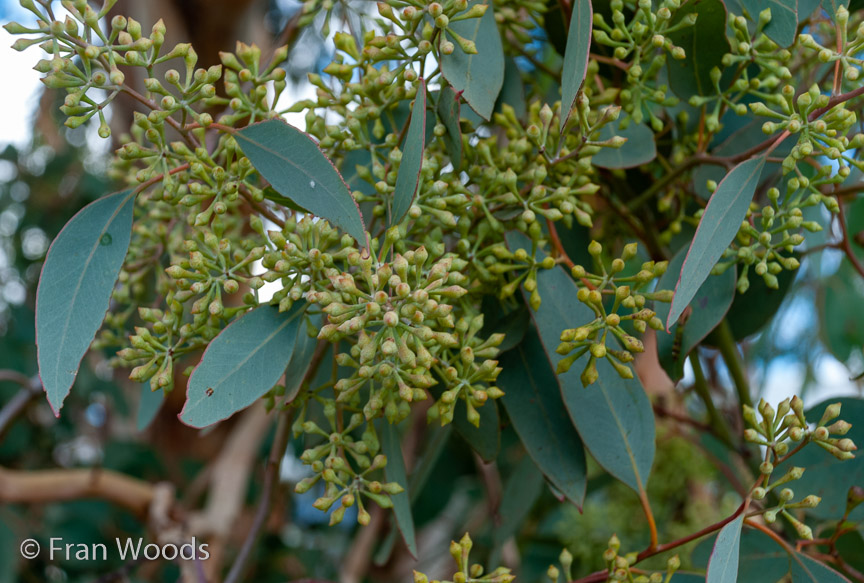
(105, 240)
(311, 184)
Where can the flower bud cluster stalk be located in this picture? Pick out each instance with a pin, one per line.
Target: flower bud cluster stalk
(466, 572)
(616, 296)
(776, 430)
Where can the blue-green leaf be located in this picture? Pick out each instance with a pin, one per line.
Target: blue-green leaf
(826, 476)
(412, 158)
(395, 472)
(75, 289)
(704, 44)
(148, 406)
(485, 438)
(708, 307)
(241, 364)
(723, 564)
(301, 357)
(533, 403)
(805, 569)
(613, 416)
(478, 77)
(784, 18)
(717, 228)
(831, 6)
(521, 491)
(296, 168)
(448, 111)
(576, 56)
(637, 150)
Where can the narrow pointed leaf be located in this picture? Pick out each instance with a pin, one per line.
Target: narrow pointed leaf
(296, 168)
(806, 569)
(707, 308)
(533, 403)
(75, 288)
(241, 364)
(412, 158)
(613, 416)
(448, 111)
(831, 6)
(576, 56)
(704, 44)
(301, 358)
(638, 149)
(480, 76)
(484, 439)
(148, 405)
(784, 18)
(723, 564)
(521, 491)
(391, 446)
(717, 228)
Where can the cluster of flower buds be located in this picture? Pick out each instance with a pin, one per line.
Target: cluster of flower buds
(849, 53)
(304, 256)
(566, 561)
(788, 423)
(609, 294)
(826, 135)
(619, 566)
(466, 572)
(401, 314)
(775, 431)
(643, 42)
(330, 462)
(468, 371)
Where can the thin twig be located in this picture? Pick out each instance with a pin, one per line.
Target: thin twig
(16, 405)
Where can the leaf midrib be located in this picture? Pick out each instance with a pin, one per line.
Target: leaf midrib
(338, 197)
(253, 352)
(81, 278)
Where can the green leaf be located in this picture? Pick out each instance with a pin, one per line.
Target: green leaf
(420, 473)
(613, 416)
(750, 312)
(484, 439)
(513, 90)
(784, 18)
(827, 476)
(75, 288)
(708, 307)
(394, 471)
(536, 410)
(292, 163)
(521, 491)
(301, 358)
(241, 364)
(412, 158)
(448, 111)
(831, 6)
(148, 406)
(271, 194)
(723, 564)
(637, 150)
(761, 560)
(717, 228)
(805, 569)
(842, 329)
(704, 43)
(576, 56)
(478, 77)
